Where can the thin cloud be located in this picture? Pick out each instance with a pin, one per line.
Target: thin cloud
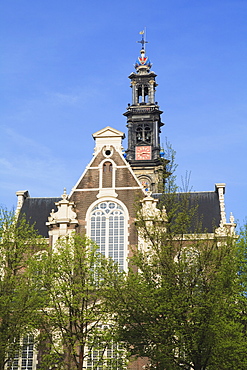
(5, 165)
(69, 99)
(17, 140)
(78, 95)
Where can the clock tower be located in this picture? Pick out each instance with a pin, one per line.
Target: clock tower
(144, 124)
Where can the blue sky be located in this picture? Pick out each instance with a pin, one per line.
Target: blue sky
(64, 75)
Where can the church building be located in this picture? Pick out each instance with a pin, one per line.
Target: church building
(102, 204)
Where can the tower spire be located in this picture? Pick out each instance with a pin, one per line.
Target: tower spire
(144, 124)
(143, 64)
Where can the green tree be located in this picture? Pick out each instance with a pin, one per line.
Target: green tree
(76, 321)
(182, 305)
(19, 297)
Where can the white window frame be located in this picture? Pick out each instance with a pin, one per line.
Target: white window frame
(112, 351)
(107, 236)
(19, 356)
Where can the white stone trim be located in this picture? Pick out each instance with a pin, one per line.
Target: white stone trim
(108, 137)
(118, 188)
(100, 168)
(60, 222)
(107, 160)
(221, 191)
(81, 177)
(21, 196)
(34, 350)
(126, 222)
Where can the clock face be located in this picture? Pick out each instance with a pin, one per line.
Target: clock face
(143, 152)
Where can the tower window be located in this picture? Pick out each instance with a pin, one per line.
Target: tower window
(139, 92)
(139, 134)
(142, 94)
(147, 134)
(145, 94)
(143, 134)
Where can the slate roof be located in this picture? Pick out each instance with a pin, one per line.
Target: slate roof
(208, 208)
(37, 211)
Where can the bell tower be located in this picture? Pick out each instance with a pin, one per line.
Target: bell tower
(144, 124)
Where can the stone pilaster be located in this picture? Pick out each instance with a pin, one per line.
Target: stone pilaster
(21, 196)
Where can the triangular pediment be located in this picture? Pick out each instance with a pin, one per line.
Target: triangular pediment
(108, 132)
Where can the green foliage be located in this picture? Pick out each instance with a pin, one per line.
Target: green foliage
(19, 297)
(76, 318)
(184, 304)
(242, 256)
(184, 312)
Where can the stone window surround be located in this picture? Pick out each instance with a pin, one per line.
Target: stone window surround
(126, 220)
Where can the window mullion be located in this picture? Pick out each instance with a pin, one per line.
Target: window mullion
(107, 237)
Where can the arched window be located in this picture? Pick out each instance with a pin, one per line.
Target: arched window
(107, 229)
(143, 134)
(139, 94)
(142, 94)
(139, 134)
(147, 134)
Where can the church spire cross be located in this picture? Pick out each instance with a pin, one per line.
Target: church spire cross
(143, 61)
(143, 41)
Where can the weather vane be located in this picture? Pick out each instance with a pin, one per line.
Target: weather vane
(143, 41)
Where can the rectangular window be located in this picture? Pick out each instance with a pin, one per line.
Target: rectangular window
(110, 357)
(25, 358)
